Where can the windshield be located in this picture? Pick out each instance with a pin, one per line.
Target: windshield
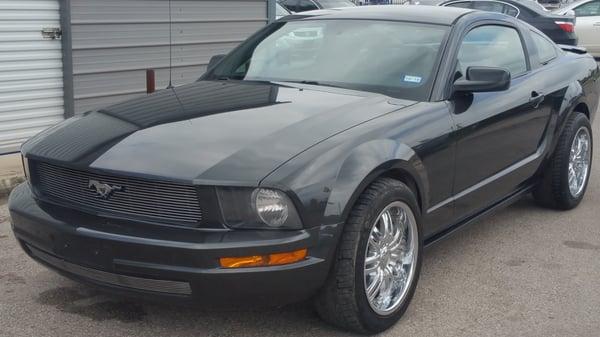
(394, 58)
(336, 3)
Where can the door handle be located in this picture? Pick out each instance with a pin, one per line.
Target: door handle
(536, 99)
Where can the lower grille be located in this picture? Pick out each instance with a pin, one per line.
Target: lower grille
(155, 201)
(161, 286)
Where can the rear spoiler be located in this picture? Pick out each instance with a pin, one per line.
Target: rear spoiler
(573, 49)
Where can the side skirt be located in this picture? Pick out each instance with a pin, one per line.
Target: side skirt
(509, 200)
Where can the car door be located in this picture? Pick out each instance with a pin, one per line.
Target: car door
(588, 26)
(498, 133)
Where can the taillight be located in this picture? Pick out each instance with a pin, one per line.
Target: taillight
(568, 27)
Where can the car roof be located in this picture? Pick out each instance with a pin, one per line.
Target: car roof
(420, 14)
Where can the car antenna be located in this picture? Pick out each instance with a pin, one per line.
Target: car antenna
(170, 48)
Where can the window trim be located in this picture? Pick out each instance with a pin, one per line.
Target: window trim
(501, 2)
(445, 91)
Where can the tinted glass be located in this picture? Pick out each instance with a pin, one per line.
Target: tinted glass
(291, 5)
(336, 3)
(306, 5)
(463, 4)
(489, 6)
(588, 9)
(498, 7)
(394, 58)
(546, 50)
(493, 46)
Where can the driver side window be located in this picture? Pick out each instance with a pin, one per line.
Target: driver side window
(493, 46)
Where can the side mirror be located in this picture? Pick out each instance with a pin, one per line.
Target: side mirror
(214, 60)
(483, 79)
(570, 12)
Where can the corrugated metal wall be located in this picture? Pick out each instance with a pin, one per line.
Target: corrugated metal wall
(31, 82)
(114, 41)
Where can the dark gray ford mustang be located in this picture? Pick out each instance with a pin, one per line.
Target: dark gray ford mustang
(316, 159)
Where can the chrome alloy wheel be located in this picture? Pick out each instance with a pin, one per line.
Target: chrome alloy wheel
(579, 161)
(391, 258)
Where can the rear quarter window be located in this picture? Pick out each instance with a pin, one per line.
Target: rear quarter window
(545, 49)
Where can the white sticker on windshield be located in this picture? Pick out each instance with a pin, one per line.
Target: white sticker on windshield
(412, 79)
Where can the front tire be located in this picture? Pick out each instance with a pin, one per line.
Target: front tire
(378, 261)
(565, 179)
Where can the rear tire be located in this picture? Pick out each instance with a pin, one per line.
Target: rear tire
(367, 262)
(565, 179)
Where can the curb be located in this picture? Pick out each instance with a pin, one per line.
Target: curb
(7, 184)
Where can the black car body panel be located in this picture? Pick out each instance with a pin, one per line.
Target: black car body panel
(462, 155)
(193, 123)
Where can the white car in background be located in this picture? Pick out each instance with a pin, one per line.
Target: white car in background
(588, 23)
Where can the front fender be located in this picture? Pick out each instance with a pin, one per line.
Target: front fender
(367, 162)
(327, 185)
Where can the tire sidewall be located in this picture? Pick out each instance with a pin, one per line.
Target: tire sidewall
(371, 320)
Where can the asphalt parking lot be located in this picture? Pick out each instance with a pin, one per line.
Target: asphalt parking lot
(524, 271)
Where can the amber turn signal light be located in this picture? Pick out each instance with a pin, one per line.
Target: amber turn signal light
(263, 260)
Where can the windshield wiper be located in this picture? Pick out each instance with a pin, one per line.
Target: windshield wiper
(228, 78)
(324, 84)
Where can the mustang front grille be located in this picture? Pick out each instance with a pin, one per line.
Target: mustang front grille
(155, 201)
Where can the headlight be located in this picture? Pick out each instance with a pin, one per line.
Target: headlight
(257, 208)
(25, 167)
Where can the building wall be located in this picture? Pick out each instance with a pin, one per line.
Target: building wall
(115, 41)
(31, 78)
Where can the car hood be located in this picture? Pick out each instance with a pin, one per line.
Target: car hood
(227, 132)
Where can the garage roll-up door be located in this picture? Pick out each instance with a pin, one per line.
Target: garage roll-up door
(31, 80)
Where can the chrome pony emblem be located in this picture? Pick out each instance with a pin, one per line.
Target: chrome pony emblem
(103, 191)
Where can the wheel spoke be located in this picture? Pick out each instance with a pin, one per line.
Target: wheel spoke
(407, 259)
(373, 288)
(373, 259)
(372, 269)
(387, 224)
(374, 243)
(386, 287)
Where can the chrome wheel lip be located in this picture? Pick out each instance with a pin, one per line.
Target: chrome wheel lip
(579, 161)
(396, 266)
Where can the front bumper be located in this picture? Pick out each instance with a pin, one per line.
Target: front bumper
(165, 262)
